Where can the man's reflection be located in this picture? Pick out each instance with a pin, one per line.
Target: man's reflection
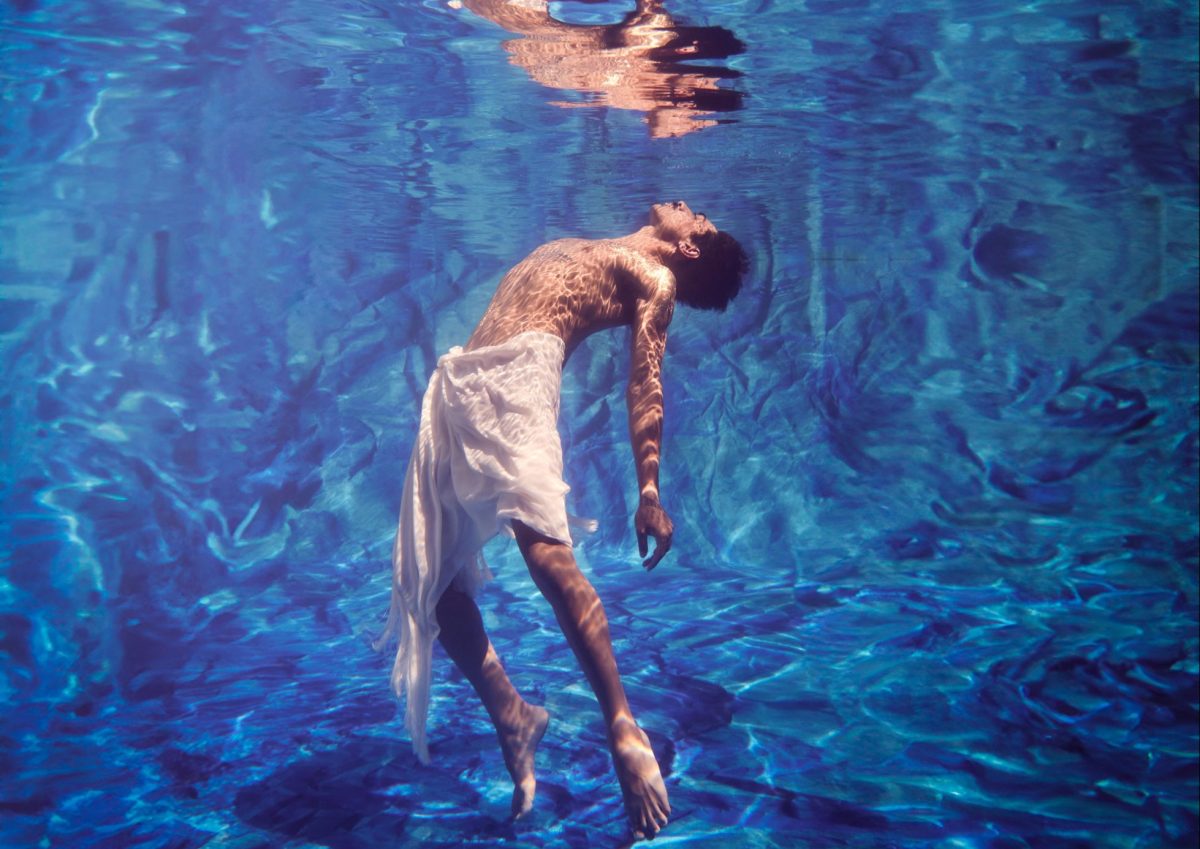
(636, 64)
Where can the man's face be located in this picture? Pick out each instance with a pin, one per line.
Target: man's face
(676, 222)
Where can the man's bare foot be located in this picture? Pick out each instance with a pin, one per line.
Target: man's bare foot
(519, 746)
(641, 781)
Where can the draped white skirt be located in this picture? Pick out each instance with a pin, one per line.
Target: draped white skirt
(487, 452)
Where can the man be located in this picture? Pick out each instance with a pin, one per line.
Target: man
(488, 455)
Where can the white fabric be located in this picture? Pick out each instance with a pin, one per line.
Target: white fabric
(487, 452)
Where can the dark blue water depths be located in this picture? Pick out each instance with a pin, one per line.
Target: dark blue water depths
(934, 476)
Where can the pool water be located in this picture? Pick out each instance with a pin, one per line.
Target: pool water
(934, 474)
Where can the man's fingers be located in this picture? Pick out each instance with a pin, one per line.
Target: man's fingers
(661, 546)
(642, 543)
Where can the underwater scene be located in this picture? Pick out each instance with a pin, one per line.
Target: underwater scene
(933, 474)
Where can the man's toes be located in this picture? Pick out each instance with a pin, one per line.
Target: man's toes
(522, 799)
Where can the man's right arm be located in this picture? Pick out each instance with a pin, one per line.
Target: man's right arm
(644, 398)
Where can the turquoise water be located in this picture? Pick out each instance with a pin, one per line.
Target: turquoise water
(933, 475)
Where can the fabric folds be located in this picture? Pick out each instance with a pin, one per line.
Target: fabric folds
(487, 452)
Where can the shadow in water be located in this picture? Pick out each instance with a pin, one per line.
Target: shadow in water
(364, 793)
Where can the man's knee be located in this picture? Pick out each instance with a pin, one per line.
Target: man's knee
(539, 548)
(553, 567)
(452, 607)
(551, 563)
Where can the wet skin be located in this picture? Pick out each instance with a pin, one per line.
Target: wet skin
(573, 288)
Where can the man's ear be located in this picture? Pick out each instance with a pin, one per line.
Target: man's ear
(688, 248)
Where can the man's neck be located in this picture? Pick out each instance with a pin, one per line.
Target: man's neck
(646, 242)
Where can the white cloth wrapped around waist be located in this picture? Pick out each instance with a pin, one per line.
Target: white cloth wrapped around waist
(487, 453)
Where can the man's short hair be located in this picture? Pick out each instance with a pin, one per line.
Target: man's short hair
(715, 278)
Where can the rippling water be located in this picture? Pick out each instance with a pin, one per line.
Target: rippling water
(934, 475)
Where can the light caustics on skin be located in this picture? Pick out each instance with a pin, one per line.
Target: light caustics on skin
(637, 64)
(519, 725)
(574, 287)
(581, 616)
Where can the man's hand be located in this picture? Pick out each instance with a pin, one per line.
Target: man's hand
(652, 521)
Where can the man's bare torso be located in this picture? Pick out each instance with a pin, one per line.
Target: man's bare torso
(571, 288)
(574, 287)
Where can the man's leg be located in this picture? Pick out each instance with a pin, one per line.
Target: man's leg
(581, 617)
(519, 725)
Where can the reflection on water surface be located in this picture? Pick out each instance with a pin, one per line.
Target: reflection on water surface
(645, 63)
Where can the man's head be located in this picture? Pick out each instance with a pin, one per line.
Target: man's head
(708, 265)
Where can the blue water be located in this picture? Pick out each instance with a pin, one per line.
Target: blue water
(933, 475)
